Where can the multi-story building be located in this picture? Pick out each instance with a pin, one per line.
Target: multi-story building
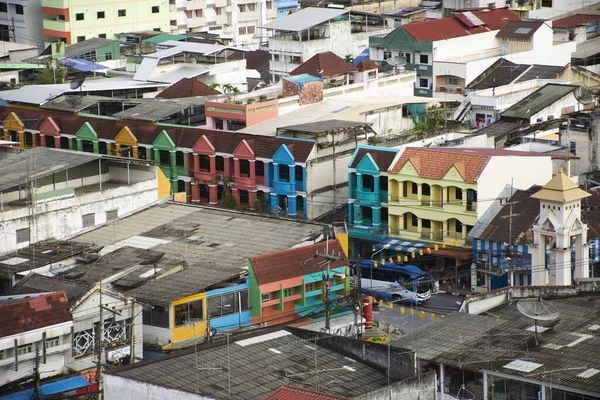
(438, 194)
(35, 330)
(299, 36)
(75, 21)
(293, 284)
(21, 21)
(235, 19)
(368, 196)
(577, 27)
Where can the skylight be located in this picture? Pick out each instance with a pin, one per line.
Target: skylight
(522, 365)
(262, 338)
(588, 373)
(523, 31)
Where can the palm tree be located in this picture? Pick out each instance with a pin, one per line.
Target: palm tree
(235, 91)
(214, 86)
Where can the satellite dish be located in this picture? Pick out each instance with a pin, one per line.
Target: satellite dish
(539, 310)
(77, 82)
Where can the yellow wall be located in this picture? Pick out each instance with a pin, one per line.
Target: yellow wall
(164, 186)
(343, 239)
(188, 332)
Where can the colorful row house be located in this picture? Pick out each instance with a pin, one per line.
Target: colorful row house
(368, 196)
(202, 164)
(292, 286)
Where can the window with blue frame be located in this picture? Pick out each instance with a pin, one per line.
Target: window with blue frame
(284, 173)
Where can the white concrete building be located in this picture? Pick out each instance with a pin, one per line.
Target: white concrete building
(34, 326)
(235, 19)
(299, 36)
(73, 192)
(21, 21)
(548, 9)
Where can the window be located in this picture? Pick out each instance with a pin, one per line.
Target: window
(122, 13)
(108, 56)
(265, 297)
(19, 9)
(251, 7)
(88, 220)
(415, 220)
(189, 313)
(242, 30)
(426, 223)
(99, 15)
(79, 17)
(112, 215)
(3, 7)
(157, 316)
(80, 38)
(23, 235)
(423, 58)
(368, 183)
(423, 82)
(288, 292)
(573, 147)
(452, 80)
(408, 57)
(102, 36)
(426, 190)
(155, 9)
(275, 57)
(387, 55)
(459, 226)
(219, 10)
(52, 342)
(21, 350)
(1, 354)
(179, 159)
(415, 188)
(251, 30)
(458, 193)
(309, 287)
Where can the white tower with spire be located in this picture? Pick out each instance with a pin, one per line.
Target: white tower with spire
(559, 225)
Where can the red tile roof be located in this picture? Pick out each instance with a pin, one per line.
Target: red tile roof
(328, 62)
(187, 87)
(574, 20)
(366, 65)
(23, 315)
(455, 26)
(146, 133)
(288, 392)
(434, 164)
(293, 263)
(382, 158)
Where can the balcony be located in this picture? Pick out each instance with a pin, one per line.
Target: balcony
(56, 3)
(431, 203)
(196, 22)
(426, 234)
(313, 293)
(365, 230)
(293, 297)
(244, 182)
(284, 186)
(367, 196)
(471, 206)
(221, 19)
(60, 26)
(248, 16)
(195, 5)
(270, 303)
(423, 92)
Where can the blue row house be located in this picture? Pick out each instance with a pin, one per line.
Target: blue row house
(291, 285)
(287, 178)
(202, 165)
(228, 307)
(368, 197)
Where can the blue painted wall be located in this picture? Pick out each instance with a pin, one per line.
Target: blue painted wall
(231, 321)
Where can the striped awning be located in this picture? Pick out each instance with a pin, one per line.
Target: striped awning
(400, 245)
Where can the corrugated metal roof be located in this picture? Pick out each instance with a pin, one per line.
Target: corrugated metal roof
(31, 94)
(304, 19)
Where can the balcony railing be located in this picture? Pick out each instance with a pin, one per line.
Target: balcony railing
(425, 233)
(432, 203)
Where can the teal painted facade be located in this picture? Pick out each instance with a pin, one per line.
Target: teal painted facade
(367, 197)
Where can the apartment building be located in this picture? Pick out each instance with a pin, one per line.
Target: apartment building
(74, 21)
(21, 21)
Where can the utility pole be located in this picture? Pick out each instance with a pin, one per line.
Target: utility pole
(329, 259)
(510, 216)
(36, 376)
(99, 378)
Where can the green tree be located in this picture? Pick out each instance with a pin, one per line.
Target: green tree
(261, 206)
(48, 74)
(228, 201)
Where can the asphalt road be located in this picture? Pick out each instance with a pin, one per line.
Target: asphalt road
(438, 304)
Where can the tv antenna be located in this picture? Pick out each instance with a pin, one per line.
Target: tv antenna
(539, 310)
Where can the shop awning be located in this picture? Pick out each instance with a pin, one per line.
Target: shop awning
(403, 246)
(51, 389)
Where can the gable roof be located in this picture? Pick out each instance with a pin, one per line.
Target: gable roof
(86, 46)
(519, 29)
(324, 65)
(539, 72)
(383, 158)
(146, 133)
(36, 283)
(574, 20)
(21, 315)
(538, 100)
(187, 87)
(500, 73)
(434, 163)
(460, 24)
(292, 263)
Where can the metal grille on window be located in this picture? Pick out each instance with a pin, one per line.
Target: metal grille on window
(112, 215)
(23, 235)
(89, 220)
(83, 342)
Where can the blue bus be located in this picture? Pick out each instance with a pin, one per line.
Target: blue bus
(395, 282)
